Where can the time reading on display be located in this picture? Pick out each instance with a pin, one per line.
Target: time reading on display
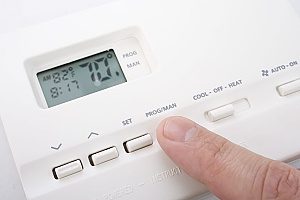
(81, 77)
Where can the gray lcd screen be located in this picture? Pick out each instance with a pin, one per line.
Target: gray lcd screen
(81, 77)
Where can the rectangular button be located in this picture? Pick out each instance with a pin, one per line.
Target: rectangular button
(138, 143)
(220, 113)
(103, 156)
(67, 169)
(289, 88)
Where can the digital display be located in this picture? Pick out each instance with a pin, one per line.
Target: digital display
(81, 77)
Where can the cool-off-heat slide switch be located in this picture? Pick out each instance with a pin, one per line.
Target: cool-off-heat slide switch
(227, 110)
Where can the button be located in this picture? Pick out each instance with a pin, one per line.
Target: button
(103, 156)
(138, 143)
(289, 88)
(220, 113)
(67, 169)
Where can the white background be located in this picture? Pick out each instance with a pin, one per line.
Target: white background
(15, 14)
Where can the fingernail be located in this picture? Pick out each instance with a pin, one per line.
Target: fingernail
(180, 130)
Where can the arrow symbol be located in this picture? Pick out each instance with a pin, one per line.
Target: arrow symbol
(91, 134)
(57, 148)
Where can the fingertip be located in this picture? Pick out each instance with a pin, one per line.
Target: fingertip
(160, 128)
(176, 129)
(171, 135)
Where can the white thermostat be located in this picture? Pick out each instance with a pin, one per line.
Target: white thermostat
(82, 95)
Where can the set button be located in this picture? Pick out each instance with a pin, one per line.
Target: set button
(289, 88)
(138, 143)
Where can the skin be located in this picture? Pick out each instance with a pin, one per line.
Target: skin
(228, 170)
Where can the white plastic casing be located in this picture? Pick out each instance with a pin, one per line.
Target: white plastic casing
(197, 56)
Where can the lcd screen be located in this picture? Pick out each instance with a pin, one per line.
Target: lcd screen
(81, 77)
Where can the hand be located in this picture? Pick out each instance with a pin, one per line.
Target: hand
(228, 170)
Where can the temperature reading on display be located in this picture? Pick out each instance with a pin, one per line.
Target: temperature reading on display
(59, 77)
(81, 77)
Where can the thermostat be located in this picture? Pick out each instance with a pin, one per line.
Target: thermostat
(82, 95)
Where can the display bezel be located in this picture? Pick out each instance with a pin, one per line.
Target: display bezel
(120, 43)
